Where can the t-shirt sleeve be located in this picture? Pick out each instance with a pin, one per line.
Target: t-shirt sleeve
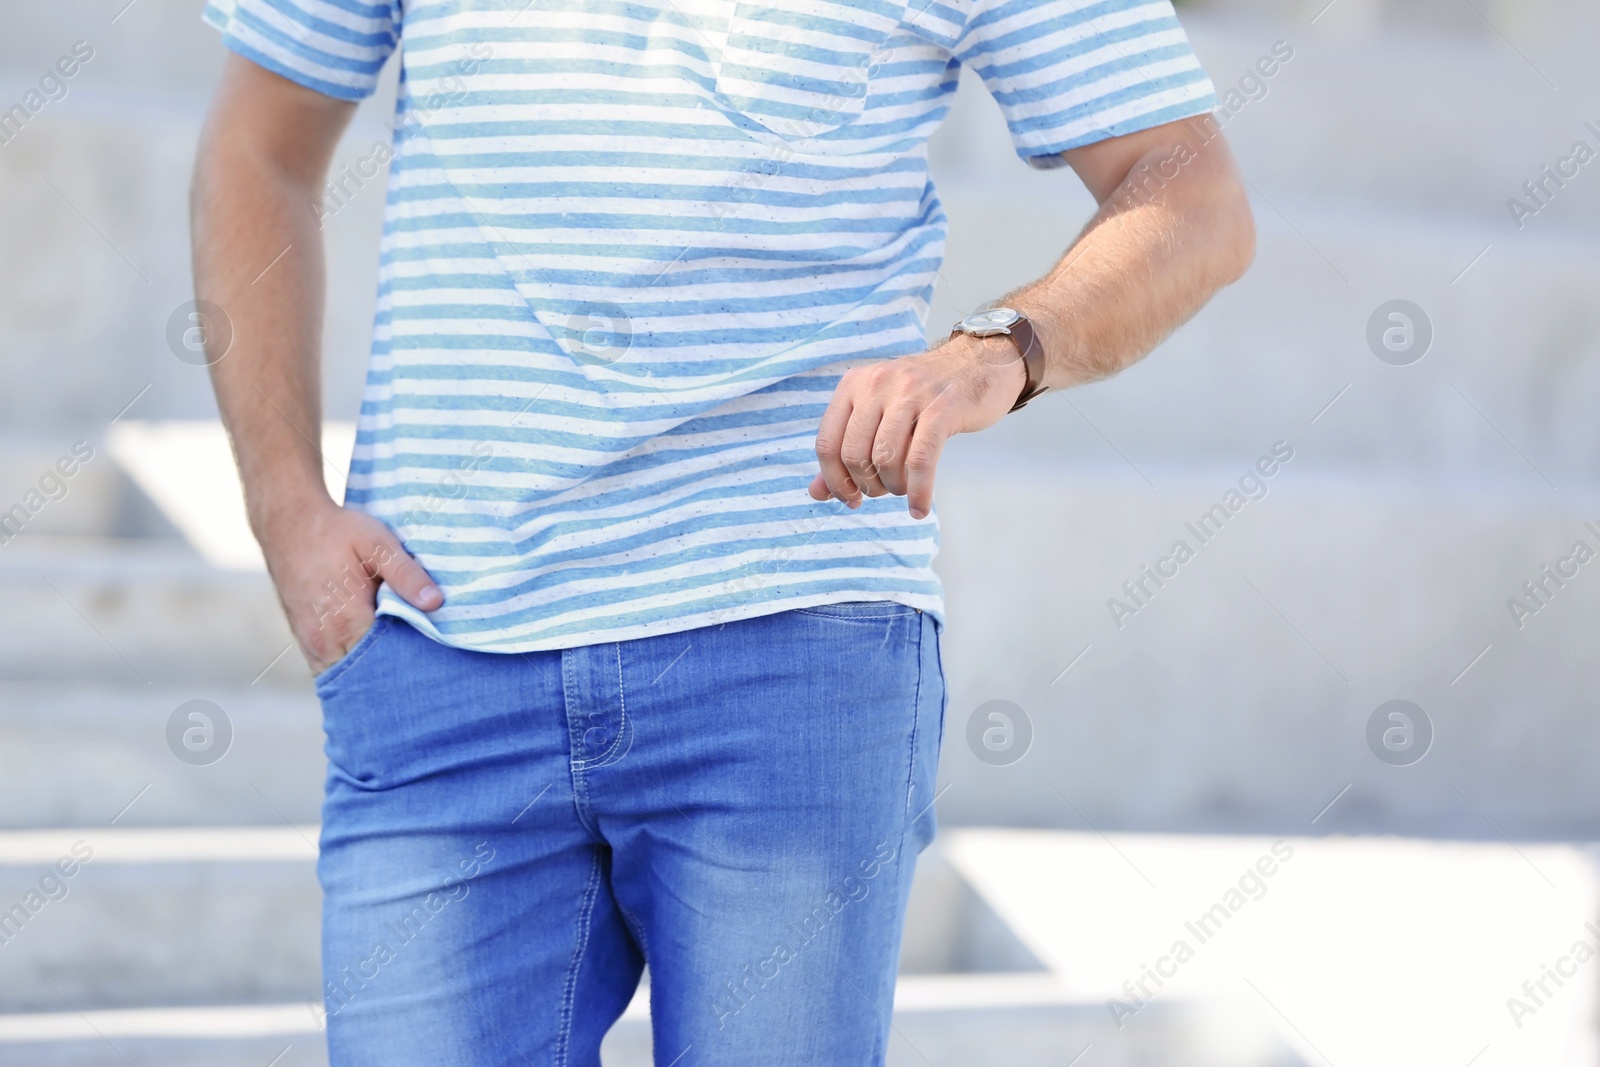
(1071, 72)
(336, 47)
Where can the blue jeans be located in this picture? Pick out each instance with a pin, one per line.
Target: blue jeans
(508, 839)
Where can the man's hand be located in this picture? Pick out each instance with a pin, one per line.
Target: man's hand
(888, 422)
(327, 566)
(1173, 227)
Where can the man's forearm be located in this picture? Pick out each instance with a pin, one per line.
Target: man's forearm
(263, 157)
(1173, 227)
(1167, 237)
(258, 256)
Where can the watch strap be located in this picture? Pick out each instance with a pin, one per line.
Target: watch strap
(1026, 339)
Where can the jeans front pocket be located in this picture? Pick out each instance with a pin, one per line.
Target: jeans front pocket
(358, 650)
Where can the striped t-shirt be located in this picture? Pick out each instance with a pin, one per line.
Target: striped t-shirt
(629, 248)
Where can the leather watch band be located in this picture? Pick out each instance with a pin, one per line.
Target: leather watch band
(1015, 325)
(1027, 342)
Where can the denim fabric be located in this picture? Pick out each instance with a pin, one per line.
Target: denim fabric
(508, 838)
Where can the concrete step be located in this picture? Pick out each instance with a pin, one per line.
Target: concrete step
(69, 487)
(74, 754)
(1423, 118)
(185, 946)
(1293, 945)
(1304, 932)
(1237, 696)
(1284, 926)
(94, 193)
(85, 1048)
(937, 1021)
(132, 918)
(958, 1022)
(1542, 24)
(138, 613)
(105, 917)
(1240, 687)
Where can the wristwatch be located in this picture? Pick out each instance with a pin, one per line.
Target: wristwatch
(993, 322)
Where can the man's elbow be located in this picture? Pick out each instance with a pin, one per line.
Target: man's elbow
(1219, 196)
(1236, 225)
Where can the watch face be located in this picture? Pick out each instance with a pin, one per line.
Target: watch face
(989, 322)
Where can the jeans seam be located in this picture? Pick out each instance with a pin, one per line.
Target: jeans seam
(880, 1042)
(638, 930)
(569, 991)
(916, 725)
(622, 697)
(856, 618)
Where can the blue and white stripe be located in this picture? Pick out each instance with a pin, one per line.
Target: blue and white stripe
(629, 249)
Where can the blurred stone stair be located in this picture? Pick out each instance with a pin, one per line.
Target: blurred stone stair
(187, 929)
(1421, 497)
(138, 613)
(199, 946)
(83, 754)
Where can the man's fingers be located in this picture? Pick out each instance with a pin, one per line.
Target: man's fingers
(830, 436)
(922, 457)
(404, 575)
(330, 643)
(890, 444)
(856, 448)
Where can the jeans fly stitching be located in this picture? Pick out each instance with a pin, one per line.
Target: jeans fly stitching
(624, 737)
(575, 766)
(569, 992)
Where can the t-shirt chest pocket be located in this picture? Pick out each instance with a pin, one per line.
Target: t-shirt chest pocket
(801, 69)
